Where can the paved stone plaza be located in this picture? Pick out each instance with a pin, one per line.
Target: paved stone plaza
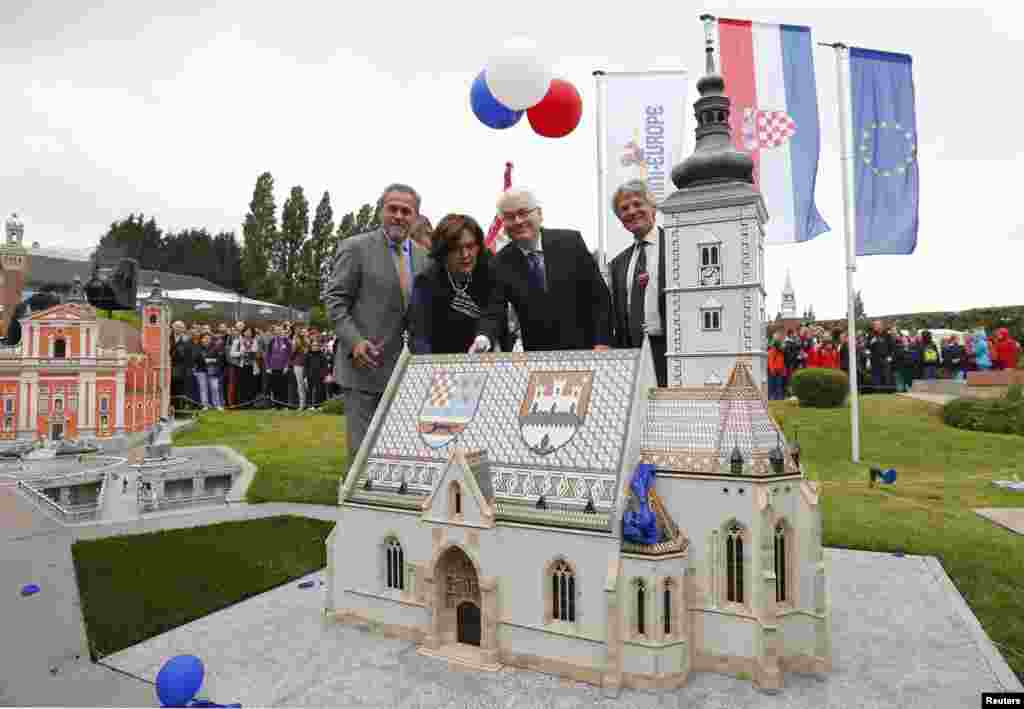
(902, 637)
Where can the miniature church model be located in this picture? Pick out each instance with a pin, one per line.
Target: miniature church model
(557, 511)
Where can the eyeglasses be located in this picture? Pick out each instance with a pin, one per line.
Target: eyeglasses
(519, 216)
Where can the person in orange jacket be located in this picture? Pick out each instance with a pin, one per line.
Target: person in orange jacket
(1005, 350)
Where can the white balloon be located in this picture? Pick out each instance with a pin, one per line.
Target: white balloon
(517, 76)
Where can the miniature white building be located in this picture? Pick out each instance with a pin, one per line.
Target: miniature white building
(788, 298)
(483, 515)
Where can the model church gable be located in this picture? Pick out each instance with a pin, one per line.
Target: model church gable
(463, 493)
(73, 312)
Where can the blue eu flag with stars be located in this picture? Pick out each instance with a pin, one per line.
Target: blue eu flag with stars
(886, 180)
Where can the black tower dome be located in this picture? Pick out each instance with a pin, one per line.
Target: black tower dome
(714, 158)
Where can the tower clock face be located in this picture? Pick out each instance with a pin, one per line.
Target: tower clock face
(710, 276)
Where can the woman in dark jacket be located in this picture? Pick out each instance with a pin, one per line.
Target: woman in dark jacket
(448, 297)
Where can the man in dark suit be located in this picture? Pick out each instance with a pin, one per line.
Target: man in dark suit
(638, 276)
(550, 279)
(367, 298)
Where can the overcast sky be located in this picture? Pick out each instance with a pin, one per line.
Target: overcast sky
(174, 109)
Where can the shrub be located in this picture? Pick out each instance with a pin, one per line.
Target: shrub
(824, 388)
(334, 406)
(1004, 415)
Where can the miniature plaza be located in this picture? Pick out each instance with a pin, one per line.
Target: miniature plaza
(277, 649)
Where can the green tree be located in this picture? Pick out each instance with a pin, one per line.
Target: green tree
(858, 307)
(316, 257)
(366, 220)
(228, 259)
(135, 237)
(287, 251)
(259, 233)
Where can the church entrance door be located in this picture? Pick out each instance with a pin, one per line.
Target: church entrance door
(469, 623)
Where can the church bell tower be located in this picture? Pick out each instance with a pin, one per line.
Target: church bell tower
(14, 263)
(714, 226)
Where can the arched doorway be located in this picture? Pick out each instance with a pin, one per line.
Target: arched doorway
(459, 606)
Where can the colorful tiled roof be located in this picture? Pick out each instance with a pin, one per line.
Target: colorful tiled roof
(586, 464)
(694, 430)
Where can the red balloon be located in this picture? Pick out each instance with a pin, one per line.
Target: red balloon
(559, 112)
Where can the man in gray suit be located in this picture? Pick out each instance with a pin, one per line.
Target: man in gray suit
(367, 298)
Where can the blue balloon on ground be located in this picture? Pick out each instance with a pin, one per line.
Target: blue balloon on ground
(179, 680)
(29, 588)
(491, 112)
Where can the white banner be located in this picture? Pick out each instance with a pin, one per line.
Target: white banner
(643, 126)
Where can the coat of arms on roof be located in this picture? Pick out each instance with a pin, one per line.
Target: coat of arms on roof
(451, 403)
(554, 408)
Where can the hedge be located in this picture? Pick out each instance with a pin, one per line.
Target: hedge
(1004, 415)
(822, 388)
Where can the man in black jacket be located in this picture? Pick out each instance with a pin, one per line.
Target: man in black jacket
(551, 280)
(638, 276)
(880, 350)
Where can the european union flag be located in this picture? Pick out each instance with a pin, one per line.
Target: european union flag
(886, 181)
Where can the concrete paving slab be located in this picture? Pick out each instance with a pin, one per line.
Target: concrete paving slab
(903, 637)
(45, 656)
(941, 399)
(1011, 518)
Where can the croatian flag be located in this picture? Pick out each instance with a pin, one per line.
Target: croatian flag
(496, 238)
(769, 75)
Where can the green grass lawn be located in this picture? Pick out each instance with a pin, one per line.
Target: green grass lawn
(300, 456)
(943, 473)
(135, 587)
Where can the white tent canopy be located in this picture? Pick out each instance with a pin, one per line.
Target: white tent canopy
(212, 296)
(226, 302)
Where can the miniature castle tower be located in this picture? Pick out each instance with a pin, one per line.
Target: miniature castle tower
(156, 333)
(714, 226)
(788, 298)
(14, 264)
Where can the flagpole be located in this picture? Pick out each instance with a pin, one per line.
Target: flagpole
(850, 225)
(602, 247)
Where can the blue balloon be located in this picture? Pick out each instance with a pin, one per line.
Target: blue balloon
(179, 680)
(488, 109)
(29, 589)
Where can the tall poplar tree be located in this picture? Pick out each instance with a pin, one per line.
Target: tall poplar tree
(259, 233)
(316, 261)
(287, 251)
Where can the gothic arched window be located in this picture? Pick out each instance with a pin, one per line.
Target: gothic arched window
(641, 605)
(734, 564)
(781, 592)
(667, 610)
(395, 564)
(563, 592)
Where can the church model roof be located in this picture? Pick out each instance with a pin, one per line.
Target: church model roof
(696, 429)
(557, 434)
(551, 423)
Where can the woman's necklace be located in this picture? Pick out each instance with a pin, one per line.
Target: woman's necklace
(455, 287)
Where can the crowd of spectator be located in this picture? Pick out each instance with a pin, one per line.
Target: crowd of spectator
(886, 359)
(281, 365)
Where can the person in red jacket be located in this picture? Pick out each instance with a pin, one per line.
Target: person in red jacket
(813, 351)
(1006, 350)
(828, 356)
